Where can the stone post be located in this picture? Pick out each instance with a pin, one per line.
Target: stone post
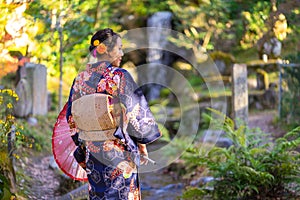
(37, 79)
(23, 107)
(240, 94)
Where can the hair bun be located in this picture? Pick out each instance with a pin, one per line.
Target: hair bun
(106, 36)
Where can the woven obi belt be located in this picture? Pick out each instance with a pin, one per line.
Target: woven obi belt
(96, 116)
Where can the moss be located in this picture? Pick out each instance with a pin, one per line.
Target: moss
(247, 55)
(226, 57)
(4, 160)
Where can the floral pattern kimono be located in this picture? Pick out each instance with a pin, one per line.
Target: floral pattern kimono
(112, 164)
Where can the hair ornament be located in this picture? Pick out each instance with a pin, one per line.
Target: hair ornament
(96, 43)
(101, 48)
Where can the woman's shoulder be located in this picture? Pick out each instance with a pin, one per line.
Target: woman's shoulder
(122, 72)
(84, 73)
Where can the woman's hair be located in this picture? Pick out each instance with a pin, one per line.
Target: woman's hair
(106, 36)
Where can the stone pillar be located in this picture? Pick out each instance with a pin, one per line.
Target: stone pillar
(22, 72)
(37, 79)
(240, 94)
(23, 107)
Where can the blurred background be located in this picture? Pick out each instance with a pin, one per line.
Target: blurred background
(44, 44)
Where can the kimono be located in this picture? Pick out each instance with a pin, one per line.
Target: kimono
(112, 164)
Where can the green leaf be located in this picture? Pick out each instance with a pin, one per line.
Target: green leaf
(254, 188)
(217, 151)
(221, 117)
(4, 187)
(194, 193)
(241, 136)
(255, 151)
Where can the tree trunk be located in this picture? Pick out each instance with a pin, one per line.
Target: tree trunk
(97, 13)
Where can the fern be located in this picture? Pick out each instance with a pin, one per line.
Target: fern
(251, 168)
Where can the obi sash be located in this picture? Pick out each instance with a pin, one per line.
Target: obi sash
(96, 116)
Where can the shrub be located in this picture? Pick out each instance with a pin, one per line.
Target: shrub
(252, 168)
(8, 126)
(7, 120)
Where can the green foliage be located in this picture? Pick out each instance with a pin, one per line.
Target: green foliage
(196, 80)
(219, 55)
(177, 146)
(194, 193)
(211, 24)
(4, 187)
(205, 120)
(255, 18)
(158, 108)
(252, 168)
(8, 80)
(165, 137)
(76, 25)
(7, 123)
(7, 120)
(26, 136)
(290, 110)
(38, 137)
(203, 22)
(146, 8)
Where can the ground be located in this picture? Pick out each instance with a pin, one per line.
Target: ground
(265, 121)
(43, 181)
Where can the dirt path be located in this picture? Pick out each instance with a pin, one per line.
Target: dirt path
(264, 121)
(40, 180)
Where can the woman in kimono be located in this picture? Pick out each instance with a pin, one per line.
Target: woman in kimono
(112, 137)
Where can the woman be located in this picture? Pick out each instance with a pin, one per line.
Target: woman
(110, 154)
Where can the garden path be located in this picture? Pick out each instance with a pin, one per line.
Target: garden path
(265, 121)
